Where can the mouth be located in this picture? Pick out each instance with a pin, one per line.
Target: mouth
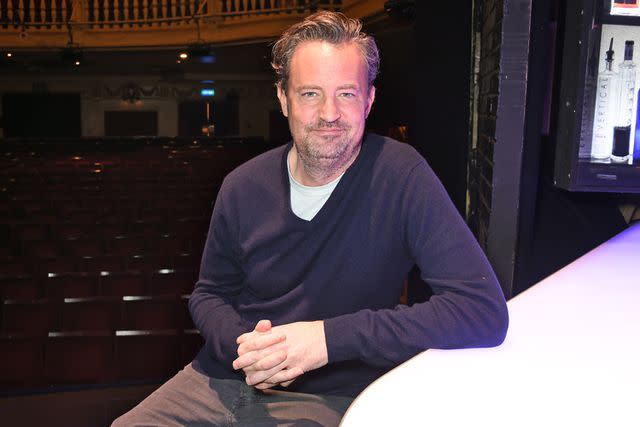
(328, 131)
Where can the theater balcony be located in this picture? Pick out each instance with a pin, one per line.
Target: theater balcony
(38, 24)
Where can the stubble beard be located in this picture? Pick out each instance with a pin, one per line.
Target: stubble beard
(327, 156)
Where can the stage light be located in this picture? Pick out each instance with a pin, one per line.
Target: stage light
(183, 55)
(9, 54)
(207, 92)
(71, 56)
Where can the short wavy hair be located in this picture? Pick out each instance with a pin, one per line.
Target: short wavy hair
(331, 27)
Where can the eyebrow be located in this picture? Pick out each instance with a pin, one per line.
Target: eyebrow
(341, 87)
(348, 86)
(308, 88)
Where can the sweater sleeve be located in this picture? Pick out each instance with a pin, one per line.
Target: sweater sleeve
(467, 308)
(220, 279)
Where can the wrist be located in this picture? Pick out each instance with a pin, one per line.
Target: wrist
(322, 345)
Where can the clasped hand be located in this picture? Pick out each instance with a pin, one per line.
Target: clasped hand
(271, 356)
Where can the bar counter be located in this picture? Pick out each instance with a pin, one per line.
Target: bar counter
(571, 358)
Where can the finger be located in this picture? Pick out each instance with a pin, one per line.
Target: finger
(252, 335)
(257, 377)
(285, 376)
(267, 362)
(263, 326)
(260, 343)
(264, 386)
(245, 360)
(278, 377)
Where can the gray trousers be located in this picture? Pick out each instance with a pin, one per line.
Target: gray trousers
(192, 398)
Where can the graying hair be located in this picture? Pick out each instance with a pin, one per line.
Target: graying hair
(331, 27)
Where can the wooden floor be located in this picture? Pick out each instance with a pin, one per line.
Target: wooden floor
(78, 408)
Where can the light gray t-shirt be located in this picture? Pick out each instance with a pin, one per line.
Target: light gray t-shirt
(307, 201)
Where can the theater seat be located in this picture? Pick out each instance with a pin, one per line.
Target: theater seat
(169, 281)
(83, 357)
(56, 265)
(30, 317)
(150, 312)
(70, 285)
(41, 249)
(26, 287)
(22, 361)
(127, 245)
(13, 266)
(123, 283)
(148, 263)
(149, 355)
(90, 314)
(91, 264)
(83, 246)
(30, 232)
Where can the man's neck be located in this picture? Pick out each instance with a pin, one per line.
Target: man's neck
(315, 175)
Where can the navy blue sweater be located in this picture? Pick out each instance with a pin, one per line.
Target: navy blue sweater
(346, 266)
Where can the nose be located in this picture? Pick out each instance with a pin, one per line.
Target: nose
(329, 111)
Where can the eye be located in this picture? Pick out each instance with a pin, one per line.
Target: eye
(348, 95)
(309, 94)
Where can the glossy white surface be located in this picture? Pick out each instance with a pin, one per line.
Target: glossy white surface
(571, 358)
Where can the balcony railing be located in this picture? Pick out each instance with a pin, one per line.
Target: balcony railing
(34, 15)
(43, 24)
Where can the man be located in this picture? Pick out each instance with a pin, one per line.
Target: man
(308, 248)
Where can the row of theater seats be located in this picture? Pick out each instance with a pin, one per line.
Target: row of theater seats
(94, 357)
(102, 242)
(41, 316)
(135, 207)
(98, 284)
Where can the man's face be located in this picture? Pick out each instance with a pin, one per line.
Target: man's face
(327, 102)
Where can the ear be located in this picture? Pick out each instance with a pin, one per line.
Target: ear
(370, 98)
(282, 96)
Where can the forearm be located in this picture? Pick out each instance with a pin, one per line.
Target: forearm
(218, 322)
(220, 281)
(476, 317)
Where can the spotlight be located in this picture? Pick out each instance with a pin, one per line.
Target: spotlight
(71, 56)
(9, 54)
(183, 55)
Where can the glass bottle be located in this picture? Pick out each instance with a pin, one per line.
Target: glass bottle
(605, 108)
(623, 119)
